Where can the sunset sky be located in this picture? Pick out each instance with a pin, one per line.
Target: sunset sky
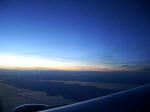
(97, 35)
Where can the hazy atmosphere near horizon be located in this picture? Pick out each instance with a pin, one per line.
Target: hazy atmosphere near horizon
(50, 50)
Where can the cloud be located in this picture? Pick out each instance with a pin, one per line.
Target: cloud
(125, 66)
(134, 66)
(35, 53)
(145, 69)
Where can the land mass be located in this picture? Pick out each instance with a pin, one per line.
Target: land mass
(11, 97)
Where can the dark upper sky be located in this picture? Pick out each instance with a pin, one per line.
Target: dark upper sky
(76, 33)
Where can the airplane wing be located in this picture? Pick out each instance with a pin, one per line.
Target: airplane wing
(132, 100)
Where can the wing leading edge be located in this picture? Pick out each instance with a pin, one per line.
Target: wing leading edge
(132, 100)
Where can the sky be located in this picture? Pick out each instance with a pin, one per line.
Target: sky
(99, 35)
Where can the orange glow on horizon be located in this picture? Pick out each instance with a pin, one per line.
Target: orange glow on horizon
(69, 69)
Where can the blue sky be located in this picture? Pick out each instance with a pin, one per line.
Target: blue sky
(106, 33)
